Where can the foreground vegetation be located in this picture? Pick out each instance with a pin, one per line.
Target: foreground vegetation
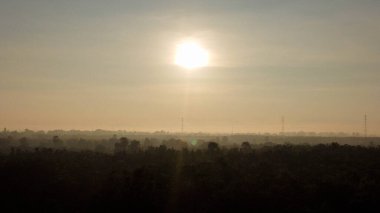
(287, 178)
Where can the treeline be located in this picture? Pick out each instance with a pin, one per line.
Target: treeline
(29, 141)
(75, 140)
(248, 178)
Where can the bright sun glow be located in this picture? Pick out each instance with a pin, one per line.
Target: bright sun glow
(191, 55)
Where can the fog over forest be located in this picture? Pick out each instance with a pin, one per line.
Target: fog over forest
(98, 171)
(105, 140)
(199, 106)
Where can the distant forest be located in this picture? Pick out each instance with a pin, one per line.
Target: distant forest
(50, 172)
(104, 141)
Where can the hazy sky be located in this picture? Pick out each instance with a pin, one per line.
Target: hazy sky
(88, 64)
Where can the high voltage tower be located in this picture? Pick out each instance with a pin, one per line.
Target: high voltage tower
(282, 125)
(182, 125)
(365, 125)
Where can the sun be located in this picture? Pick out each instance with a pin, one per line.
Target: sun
(191, 55)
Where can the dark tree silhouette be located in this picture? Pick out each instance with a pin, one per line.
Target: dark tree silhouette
(57, 142)
(121, 147)
(135, 146)
(213, 147)
(269, 178)
(245, 147)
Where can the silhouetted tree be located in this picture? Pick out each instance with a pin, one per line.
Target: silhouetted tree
(24, 144)
(100, 148)
(121, 147)
(135, 146)
(124, 140)
(57, 142)
(213, 147)
(245, 147)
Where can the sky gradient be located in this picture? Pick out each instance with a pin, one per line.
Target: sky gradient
(89, 64)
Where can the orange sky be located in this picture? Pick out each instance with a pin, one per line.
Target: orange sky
(96, 64)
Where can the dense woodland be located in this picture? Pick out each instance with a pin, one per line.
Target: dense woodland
(121, 174)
